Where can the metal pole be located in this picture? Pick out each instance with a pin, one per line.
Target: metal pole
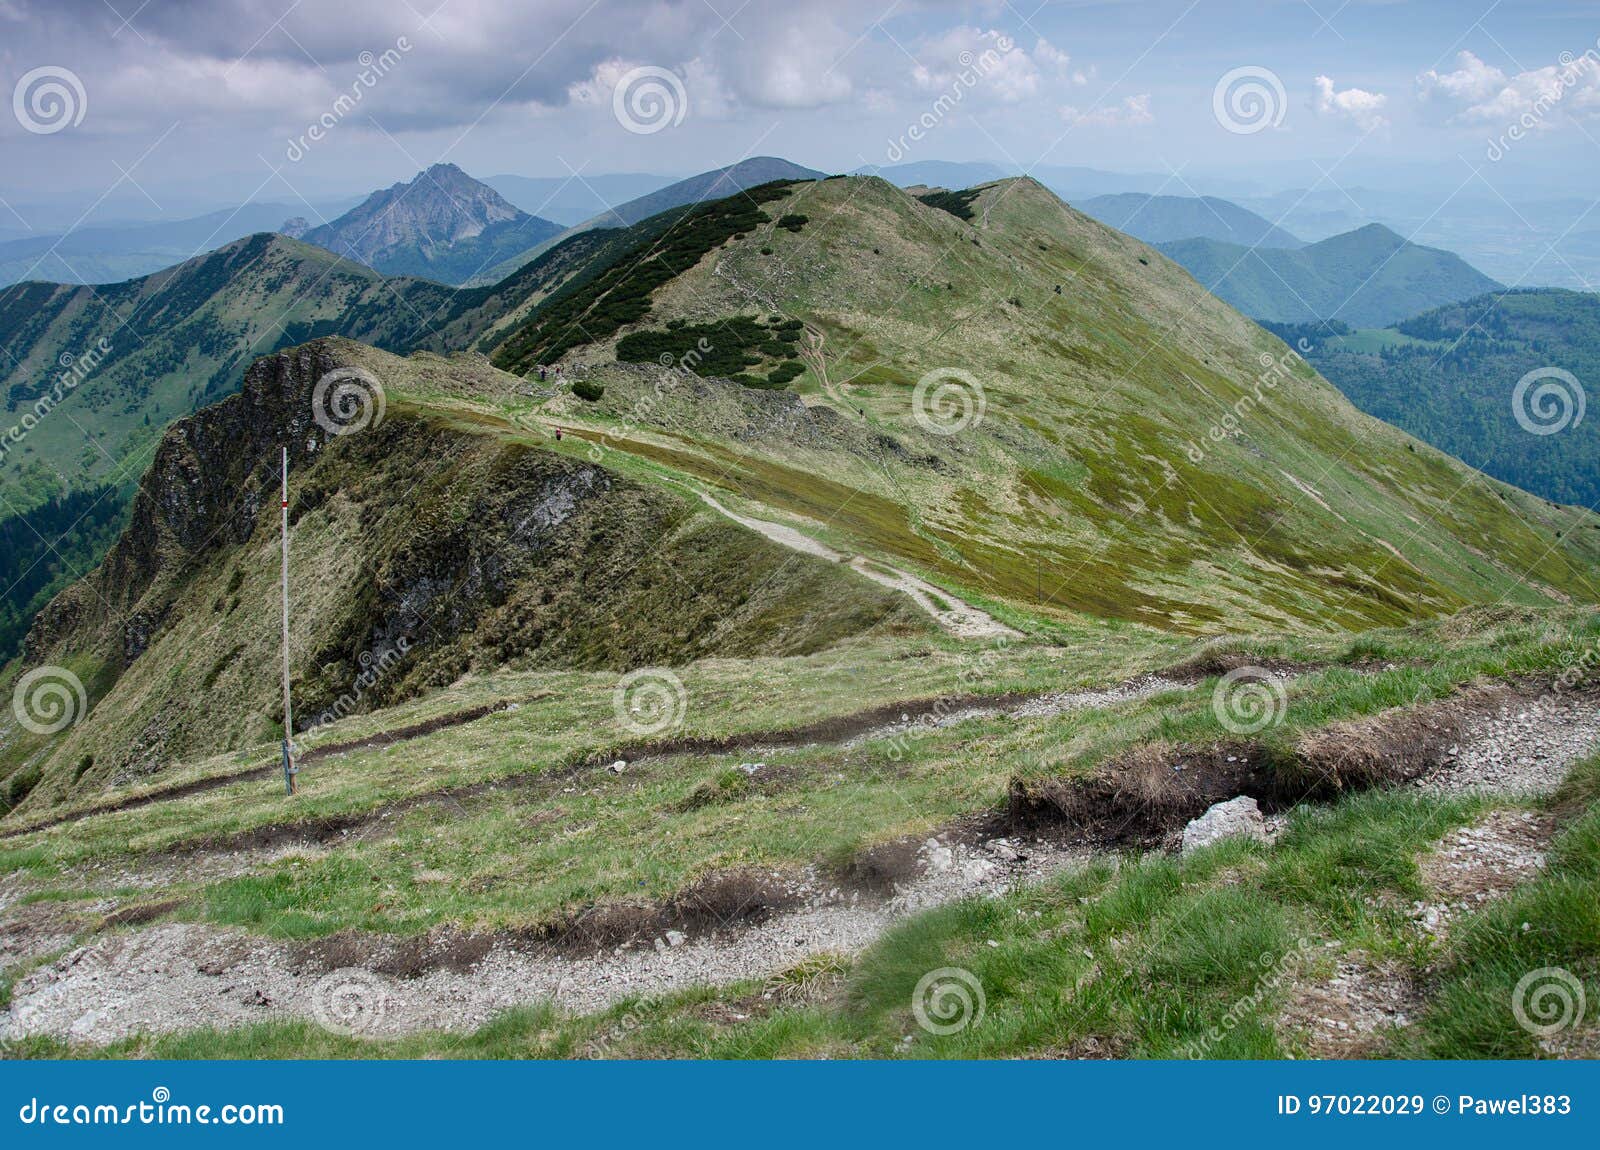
(289, 769)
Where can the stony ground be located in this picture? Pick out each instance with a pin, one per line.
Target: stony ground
(177, 976)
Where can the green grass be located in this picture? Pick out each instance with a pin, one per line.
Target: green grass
(653, 830)
(1552, 924)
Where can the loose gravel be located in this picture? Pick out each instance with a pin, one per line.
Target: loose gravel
(173, 977)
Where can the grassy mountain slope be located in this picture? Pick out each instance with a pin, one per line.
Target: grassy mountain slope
(713, 185)
(1448, 377)
(1092, 484)
(441, 541)
(176, 340)
(1163, 219)
(1367, 278)
(181, 338)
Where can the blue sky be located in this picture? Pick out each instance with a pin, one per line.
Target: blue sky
(184, 102)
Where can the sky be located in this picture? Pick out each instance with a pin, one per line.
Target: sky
(156, 107)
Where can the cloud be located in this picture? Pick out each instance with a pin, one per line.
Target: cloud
(1355, 106)
(1133, 112)
(1008, 73)
(1478, 93)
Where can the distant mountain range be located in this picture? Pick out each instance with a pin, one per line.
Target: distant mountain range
(108, 254)
(571, 200)
(1099, 483)
(712, 185)
(1449, 376)
(1165, 219)
(443, 225)
(1370, 277)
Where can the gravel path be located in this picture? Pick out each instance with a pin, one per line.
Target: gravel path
(950, 613)
(177, 976)
(1523, 749)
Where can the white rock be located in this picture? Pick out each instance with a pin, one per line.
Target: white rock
(1240, 816)
(676, 938)
(618, 767)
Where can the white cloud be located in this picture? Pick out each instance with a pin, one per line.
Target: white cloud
(1133, 111)
(1478, 93)
(1047, 54)
(956, 56)
(1355, 106)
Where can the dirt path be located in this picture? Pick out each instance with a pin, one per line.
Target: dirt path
(950, 613)
(177, 976)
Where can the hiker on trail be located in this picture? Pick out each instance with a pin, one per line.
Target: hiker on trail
(558, 435)
(541, 374)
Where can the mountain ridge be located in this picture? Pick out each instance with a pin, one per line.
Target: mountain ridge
(1368, 277)
(1158, 219)
(442, 224)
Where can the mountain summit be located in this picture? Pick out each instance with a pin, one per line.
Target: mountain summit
(443, 225)
(1368, 277)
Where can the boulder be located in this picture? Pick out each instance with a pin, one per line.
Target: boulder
(1239, 816)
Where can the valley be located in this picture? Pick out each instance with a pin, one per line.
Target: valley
(704, 632)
